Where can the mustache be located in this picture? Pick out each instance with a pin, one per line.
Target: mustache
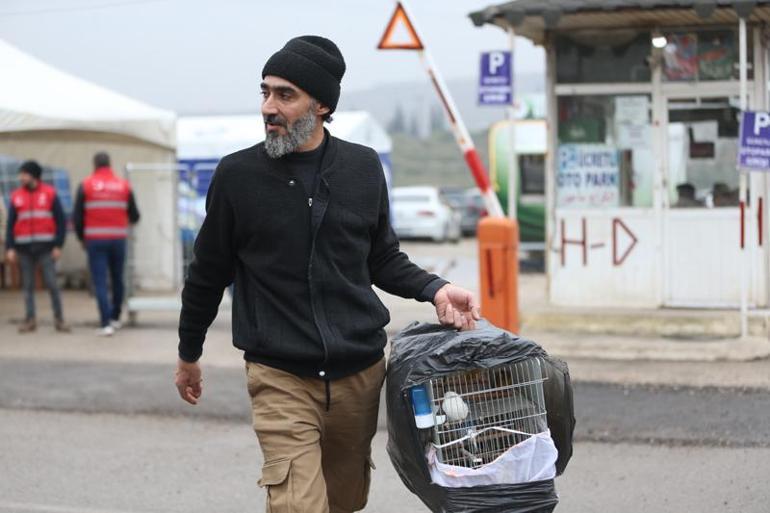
(275, 119)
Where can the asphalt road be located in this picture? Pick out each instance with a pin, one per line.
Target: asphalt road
(679, 416)
(80, 437)
(59, 462)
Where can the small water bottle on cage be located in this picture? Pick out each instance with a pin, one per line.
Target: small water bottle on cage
(423, 413)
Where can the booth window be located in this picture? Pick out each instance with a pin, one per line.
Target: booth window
(532, 174)
(702, 151)
(703, 56)
(605, 156)
(603, 57)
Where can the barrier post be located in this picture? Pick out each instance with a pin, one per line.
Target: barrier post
(498, 239)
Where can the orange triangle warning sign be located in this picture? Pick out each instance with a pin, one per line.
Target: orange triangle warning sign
(400, 34)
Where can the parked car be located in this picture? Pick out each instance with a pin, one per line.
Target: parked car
(421, 212)
(469, 203)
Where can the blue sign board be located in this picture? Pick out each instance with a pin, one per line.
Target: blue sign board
(754, 150)
(495, 81)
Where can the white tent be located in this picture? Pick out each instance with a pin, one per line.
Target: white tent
(205, 137)
(36, 96)
(61, 121)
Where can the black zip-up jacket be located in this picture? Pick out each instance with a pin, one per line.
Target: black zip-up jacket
(302, 270)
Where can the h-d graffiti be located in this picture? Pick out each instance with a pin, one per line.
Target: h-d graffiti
(619, 253)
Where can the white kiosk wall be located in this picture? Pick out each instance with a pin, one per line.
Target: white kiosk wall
(604, 258)
(605, 242)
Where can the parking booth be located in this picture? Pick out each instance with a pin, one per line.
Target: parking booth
(643, 202)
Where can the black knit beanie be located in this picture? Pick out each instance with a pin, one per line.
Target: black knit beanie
(312, 63)
(33, 168)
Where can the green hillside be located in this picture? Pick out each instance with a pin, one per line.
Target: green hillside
(435, 160)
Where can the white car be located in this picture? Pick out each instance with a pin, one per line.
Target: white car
(421, 212)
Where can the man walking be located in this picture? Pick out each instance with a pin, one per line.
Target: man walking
(300, 223)
(35, 235)
(104, 208)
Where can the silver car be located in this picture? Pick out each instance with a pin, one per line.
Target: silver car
(469, 203)
(421, 212)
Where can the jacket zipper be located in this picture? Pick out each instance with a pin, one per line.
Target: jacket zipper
(32, 215)
(312, 305)
(312, 293)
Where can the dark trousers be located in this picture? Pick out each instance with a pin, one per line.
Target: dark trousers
(28, 260)
(107, 256)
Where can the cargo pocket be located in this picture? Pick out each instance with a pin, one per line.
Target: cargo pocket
(277, 480)
(360, 502)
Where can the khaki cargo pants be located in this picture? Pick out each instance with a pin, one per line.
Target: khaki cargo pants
(316, 441)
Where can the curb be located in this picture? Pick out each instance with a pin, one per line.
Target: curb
(655, 324)
(610, 347)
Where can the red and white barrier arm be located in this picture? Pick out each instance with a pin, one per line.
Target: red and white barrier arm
(461, 134)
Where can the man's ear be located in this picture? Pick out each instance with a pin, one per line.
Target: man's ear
(322, 110)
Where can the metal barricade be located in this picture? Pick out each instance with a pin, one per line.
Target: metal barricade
(171, 199)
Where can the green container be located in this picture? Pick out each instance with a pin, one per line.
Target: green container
(530, 148)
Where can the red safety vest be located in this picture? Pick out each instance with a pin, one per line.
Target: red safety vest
(106, 206)
(34, 214)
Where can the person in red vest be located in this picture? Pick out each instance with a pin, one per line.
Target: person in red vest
(104, 208)
(35, 235)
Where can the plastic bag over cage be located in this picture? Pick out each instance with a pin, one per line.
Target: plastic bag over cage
(492, 409)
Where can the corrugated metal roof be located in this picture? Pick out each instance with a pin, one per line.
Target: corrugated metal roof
(532, 18)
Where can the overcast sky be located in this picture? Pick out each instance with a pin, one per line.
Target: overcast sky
(206, 55)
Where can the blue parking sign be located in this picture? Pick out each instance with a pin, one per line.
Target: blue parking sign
(495, 81)
(754, 149)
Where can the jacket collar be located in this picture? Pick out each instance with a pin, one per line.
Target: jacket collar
(35, 187)
(104, 170)
(329, 155)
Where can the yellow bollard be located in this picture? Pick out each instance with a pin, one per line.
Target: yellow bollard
(498, 239)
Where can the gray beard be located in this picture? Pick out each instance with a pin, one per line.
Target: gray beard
(297, 134)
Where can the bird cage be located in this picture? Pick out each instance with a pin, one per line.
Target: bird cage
(468, 427)
(478, 415)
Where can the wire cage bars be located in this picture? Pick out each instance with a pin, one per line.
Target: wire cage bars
(480, 414)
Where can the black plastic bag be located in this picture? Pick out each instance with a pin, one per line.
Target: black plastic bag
(424, 351)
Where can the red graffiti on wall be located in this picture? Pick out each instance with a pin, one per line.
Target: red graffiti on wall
(620, 251)
(616, 261)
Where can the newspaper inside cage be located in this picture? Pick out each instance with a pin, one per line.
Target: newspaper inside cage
(533, 459)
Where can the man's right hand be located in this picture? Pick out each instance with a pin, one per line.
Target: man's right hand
(10, 256)
(188, 381)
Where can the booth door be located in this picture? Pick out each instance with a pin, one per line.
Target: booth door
(701, 215)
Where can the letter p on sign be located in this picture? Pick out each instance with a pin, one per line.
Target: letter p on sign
(496, 59)
(761, 120)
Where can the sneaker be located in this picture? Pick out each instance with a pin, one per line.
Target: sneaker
(28, 326)
(116, 324)
(106, 331)
(61, 326)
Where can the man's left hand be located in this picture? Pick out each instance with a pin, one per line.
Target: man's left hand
(56, 253)
(456, 307)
